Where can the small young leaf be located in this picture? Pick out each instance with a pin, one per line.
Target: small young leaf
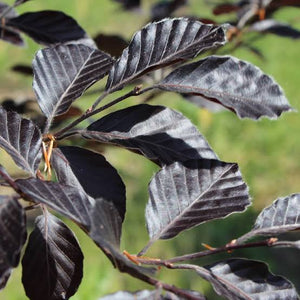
(275, 27)
(63, 73)
(53, 261)
(282, 216)
(159, 133)
(236, 84)
(12, 235)
(48, 27)
(248, 279)
(181, 197)
(22, 139)
(79, 167)
(163, 43)
(67, 200)
(11, 36)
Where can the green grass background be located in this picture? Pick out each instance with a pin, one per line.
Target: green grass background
(267, 151)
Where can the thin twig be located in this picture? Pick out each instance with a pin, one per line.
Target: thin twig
(229, 247)
(91, 112)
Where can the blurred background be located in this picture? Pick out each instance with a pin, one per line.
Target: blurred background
(267, 151)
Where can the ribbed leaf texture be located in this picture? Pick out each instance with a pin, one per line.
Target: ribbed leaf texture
(67, 200)
(48, 27)
(282, 216)
(79, 167)
(12, 235)
(163, 43)
(21, 139)
(181, 197)
(159, 133)
(53, 261)
(147, 294)
(248, 279)
(63, 73)
(236, 84)
(275, 27)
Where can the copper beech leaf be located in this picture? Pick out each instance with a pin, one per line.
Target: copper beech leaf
(162, 43)
(248, 279)
(53, 261)
(235, 84)
(90, 171)
(21, 139)
(281, 216)
(183, 196)
(159, 133)
(12, 235)
(48, 27)
(64, 72)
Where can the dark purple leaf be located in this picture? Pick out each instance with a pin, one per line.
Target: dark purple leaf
(12, 235)
(22, 139)
(79, 167)
(225, 8)
(48, 27)
(112, 44)
(129, 4)
(248, 279)
(181, 197)
(275, 27)
(164, 9)
(236, 84)
(160, 44)
(159, 133)
(63, 73)
(67, 200)
(11, 36)
(23, 69)
(53, 261)
(106, 232)
(282, 216)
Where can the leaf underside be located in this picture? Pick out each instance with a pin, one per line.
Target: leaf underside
(235, 84)
(159, 133)
(53, 261)
(48, 27)
(248, 279)
(22, 139)
(181, 197)
(163, 43)
(63, 73)
(12, 236)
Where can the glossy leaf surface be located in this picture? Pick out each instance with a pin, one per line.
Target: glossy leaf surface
(48, 27)
(159, 133)
(63, 73)
(21, 139)
(282, 216)
(163, 43)
(79, 167)
(12, 235)
(53, 261)
(236, 84)
(181, 197)
(67, 200)
(249, 279)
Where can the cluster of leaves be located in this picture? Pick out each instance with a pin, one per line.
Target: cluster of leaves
(192, 186)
